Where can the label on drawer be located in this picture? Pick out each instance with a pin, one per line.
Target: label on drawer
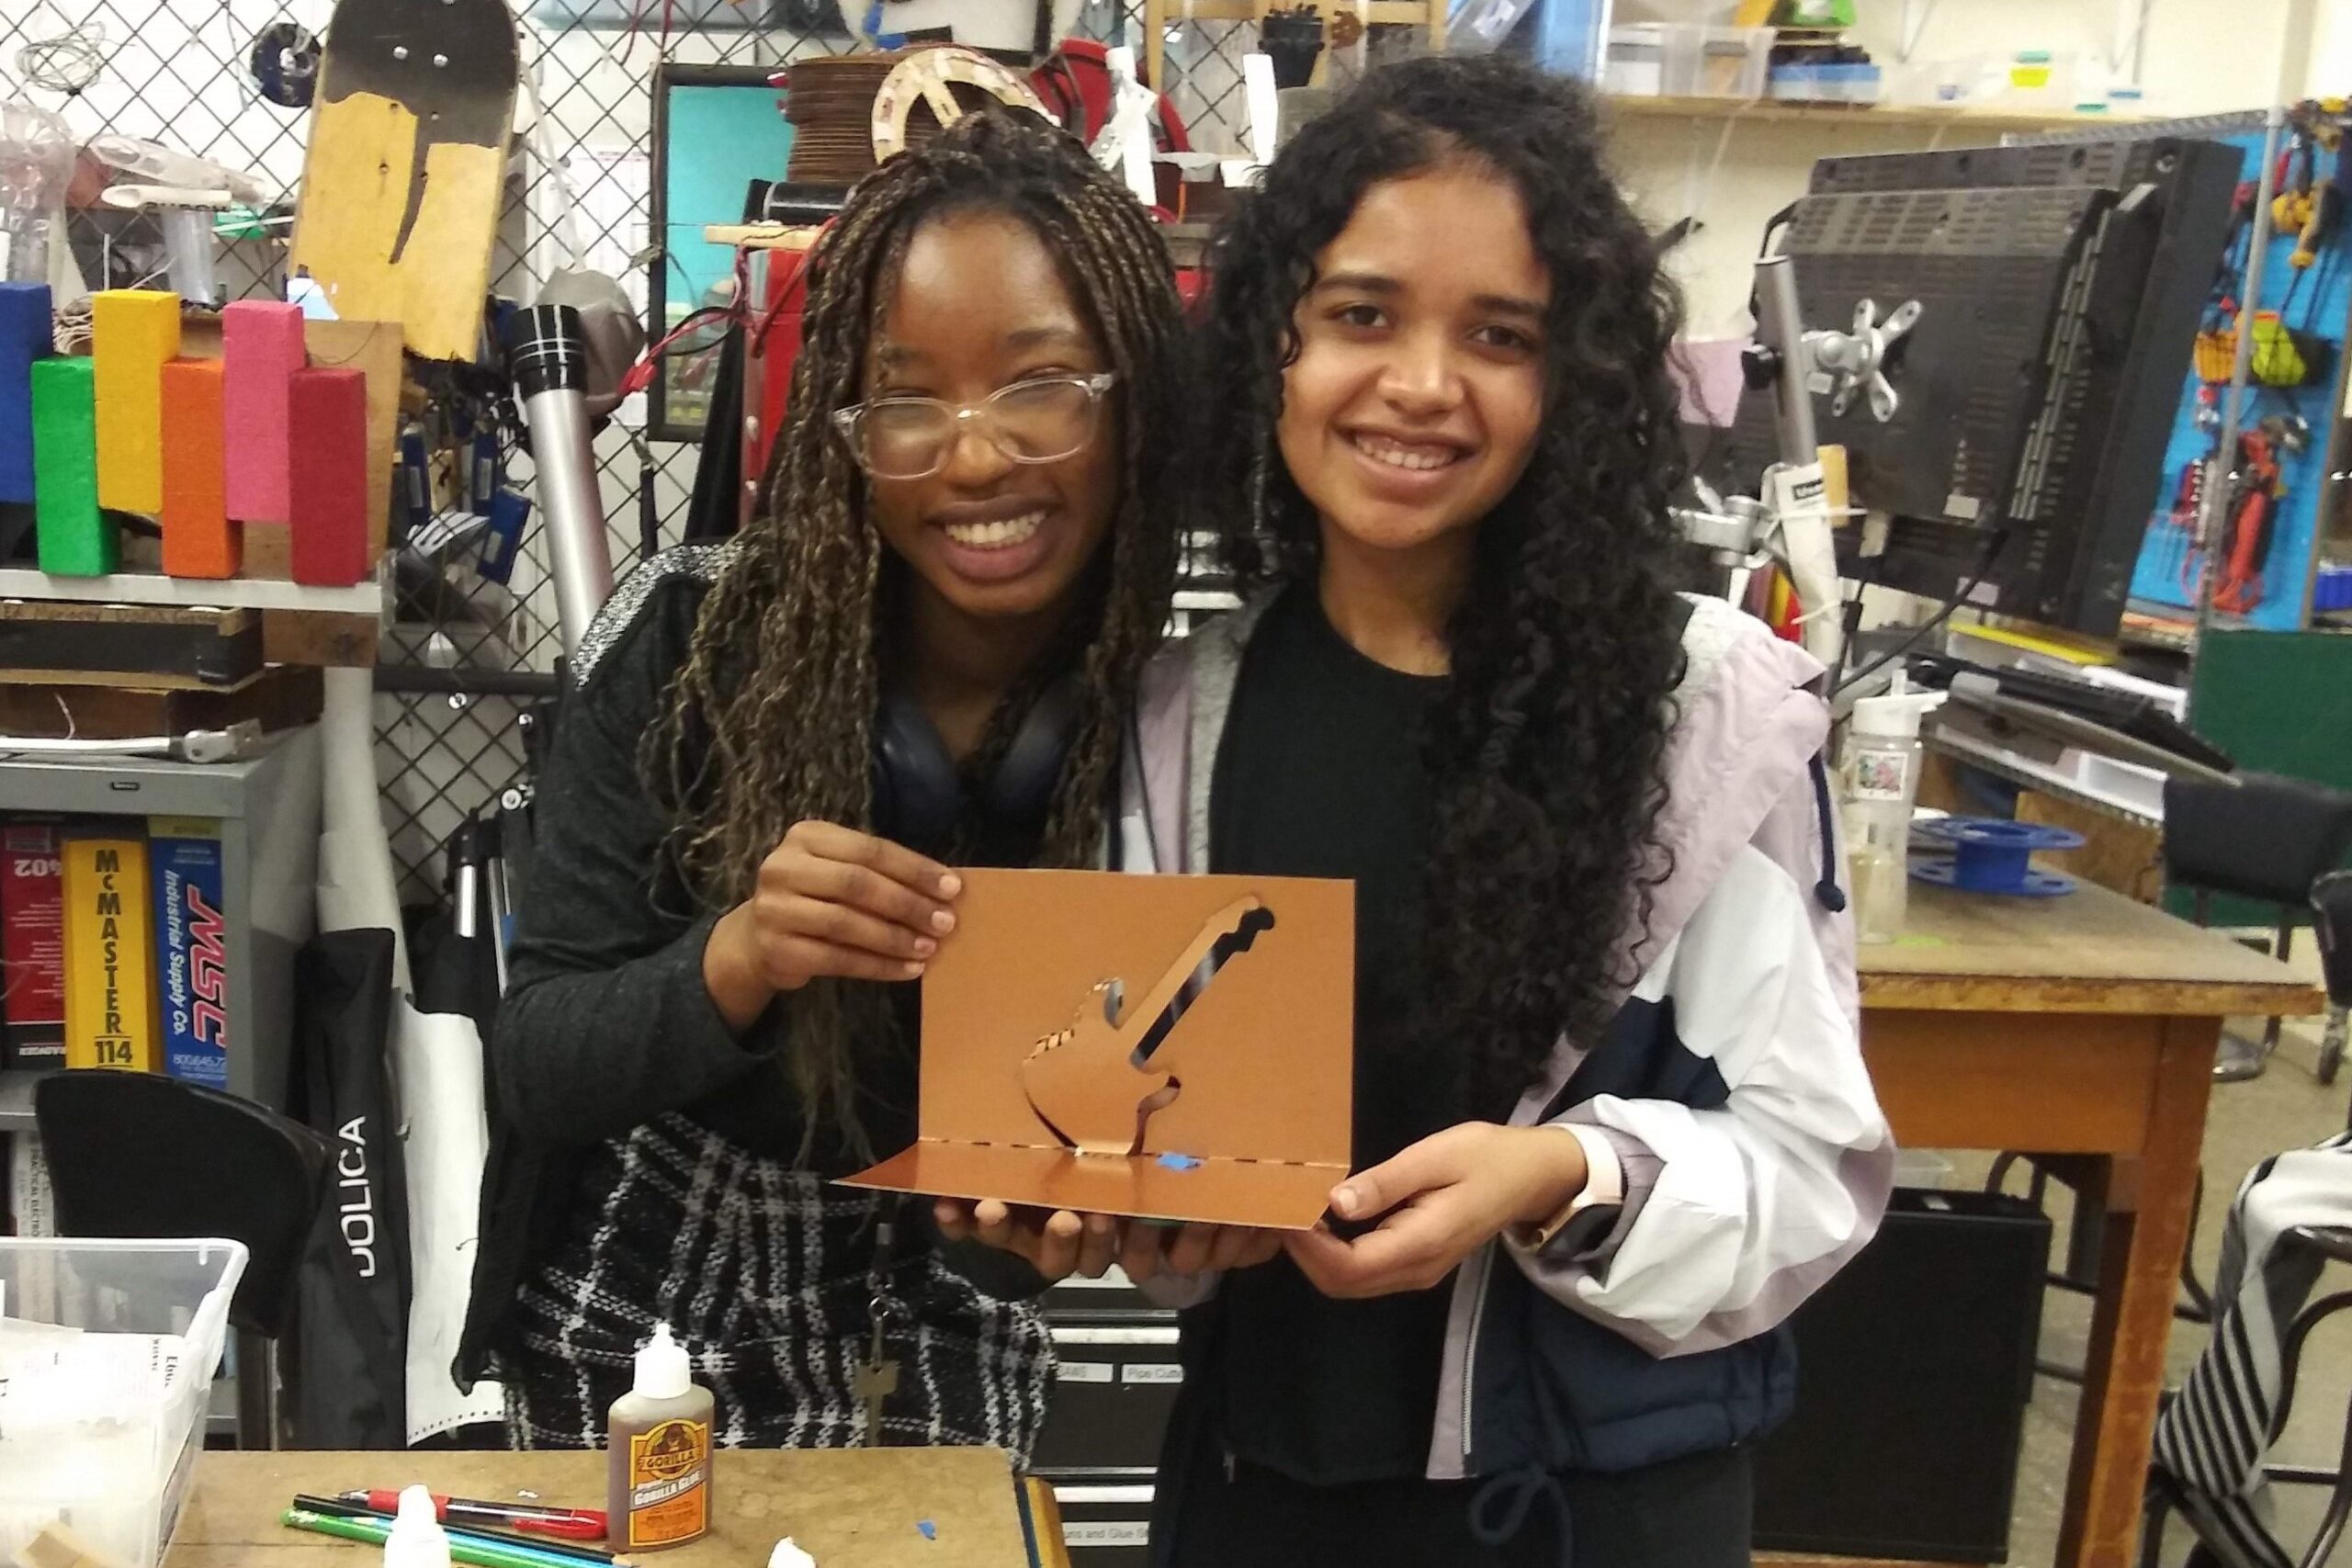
(1152, 1371)
(1083, 1372)
(1106, 1532)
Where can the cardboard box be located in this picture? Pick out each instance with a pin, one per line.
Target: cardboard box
(1170, 1047)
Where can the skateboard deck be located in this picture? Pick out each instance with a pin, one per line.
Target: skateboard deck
(405, 176)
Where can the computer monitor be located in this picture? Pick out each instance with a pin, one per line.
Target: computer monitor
(2060, 291)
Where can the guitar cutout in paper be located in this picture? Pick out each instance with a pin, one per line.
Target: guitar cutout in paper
(1093, 1083)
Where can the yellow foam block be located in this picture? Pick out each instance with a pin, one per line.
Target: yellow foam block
(135, 332)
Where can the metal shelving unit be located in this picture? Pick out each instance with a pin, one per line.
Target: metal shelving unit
(269, 810)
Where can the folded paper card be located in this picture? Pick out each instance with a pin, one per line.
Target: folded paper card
(1174, 1048)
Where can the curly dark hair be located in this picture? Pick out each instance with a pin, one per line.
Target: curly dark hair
(771, 719)
(1546, 756)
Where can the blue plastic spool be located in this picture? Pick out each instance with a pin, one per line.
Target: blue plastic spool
(1990, 854)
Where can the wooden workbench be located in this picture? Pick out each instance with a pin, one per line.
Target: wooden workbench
(848, 1507)
(2084, 1025)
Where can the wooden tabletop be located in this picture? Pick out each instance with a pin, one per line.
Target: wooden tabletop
(2090, 951)
(848, 1507)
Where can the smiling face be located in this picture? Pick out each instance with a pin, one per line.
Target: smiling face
(1414, 401)
(980, 305)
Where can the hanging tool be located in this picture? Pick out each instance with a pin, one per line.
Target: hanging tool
(2249, 525)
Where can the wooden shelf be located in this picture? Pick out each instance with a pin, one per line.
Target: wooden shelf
(1768, 111)
(153, 588)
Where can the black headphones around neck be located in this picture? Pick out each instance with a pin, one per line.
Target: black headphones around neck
(919, 794)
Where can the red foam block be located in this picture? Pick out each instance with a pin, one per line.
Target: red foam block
(261, 347)
(327, 477)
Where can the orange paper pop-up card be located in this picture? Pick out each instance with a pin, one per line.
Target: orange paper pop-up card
(1174, 1048)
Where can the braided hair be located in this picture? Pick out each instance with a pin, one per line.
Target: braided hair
(770, 719)
(1546, 754)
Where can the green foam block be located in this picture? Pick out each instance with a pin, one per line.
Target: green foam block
(75, 537)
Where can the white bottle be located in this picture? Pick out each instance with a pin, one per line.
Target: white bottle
(1882, 780)
(416, 1539)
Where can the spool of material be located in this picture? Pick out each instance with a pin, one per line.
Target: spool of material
(261, 347)
(23, 337)
(134, 331)
(327, 474)
(198, 538)
(73, 540)
(1990, 854)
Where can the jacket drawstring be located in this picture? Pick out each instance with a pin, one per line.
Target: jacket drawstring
(1499, 1509)
(1831, 896)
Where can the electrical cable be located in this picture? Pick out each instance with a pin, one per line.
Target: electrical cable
(1959, 596)
(66, 63)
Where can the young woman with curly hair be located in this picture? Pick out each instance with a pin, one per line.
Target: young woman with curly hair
(1611, 1122)
(921, 651)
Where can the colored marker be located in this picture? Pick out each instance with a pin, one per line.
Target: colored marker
(468, 1548)
(571, 1524)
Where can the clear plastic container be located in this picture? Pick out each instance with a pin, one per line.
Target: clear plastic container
(106, 1355)
(1687, 60)
(1716, 62)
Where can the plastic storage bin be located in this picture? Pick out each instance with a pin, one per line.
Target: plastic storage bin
(1687, 60)
(107, 1350)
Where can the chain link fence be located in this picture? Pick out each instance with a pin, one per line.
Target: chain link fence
(183, 74)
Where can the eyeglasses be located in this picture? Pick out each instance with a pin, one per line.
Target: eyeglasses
(1029, 422)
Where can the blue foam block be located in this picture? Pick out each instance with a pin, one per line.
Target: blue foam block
(23, 337)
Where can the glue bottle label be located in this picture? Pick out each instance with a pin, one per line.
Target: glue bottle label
(1880, 773)
(669, 1476)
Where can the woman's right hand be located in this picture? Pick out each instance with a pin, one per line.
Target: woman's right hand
(831, 900)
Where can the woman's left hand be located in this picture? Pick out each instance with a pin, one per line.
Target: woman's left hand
(1057, 1245)
(1452, 1193)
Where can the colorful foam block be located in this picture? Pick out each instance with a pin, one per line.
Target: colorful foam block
(261, 347)
(23, 337)
(198, 538)
(72, 538)
(327, 477)
(132, 333)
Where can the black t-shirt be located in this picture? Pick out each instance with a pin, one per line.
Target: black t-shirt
(1320, 774)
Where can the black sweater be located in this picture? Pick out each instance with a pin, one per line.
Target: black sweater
(606, 1022)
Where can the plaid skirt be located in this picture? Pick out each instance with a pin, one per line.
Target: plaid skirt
(763, 1272)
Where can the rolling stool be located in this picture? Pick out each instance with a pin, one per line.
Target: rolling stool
(2265, 838)
(132, 1155)
(2333, 1245)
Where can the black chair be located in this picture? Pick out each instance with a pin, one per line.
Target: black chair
(2261, 837)
(132, 1155)
(2331, 923)
(2330, 1246)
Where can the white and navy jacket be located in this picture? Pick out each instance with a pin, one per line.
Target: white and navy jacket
(1731, 1082)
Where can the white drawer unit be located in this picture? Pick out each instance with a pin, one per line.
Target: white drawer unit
(1113, 1391)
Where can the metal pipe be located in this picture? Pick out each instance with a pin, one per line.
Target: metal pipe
(408, 680)
(1780, 326)
(546, 354)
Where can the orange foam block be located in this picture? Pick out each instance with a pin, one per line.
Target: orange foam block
(327, 478)
(198, 538)
(134, 331)
(261, 347)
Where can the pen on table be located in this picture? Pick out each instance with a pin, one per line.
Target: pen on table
(568, 1523)
(482, 1551)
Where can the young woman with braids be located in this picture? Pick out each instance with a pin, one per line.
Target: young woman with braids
(1611, 1122)
(923, 650)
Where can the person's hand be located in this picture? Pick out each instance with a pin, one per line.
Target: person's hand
(1057, 1245)
(831, 900)
(1451, 1194)
(1194, 1249)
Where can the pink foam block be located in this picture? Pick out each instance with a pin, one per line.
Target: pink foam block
(261, 347)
